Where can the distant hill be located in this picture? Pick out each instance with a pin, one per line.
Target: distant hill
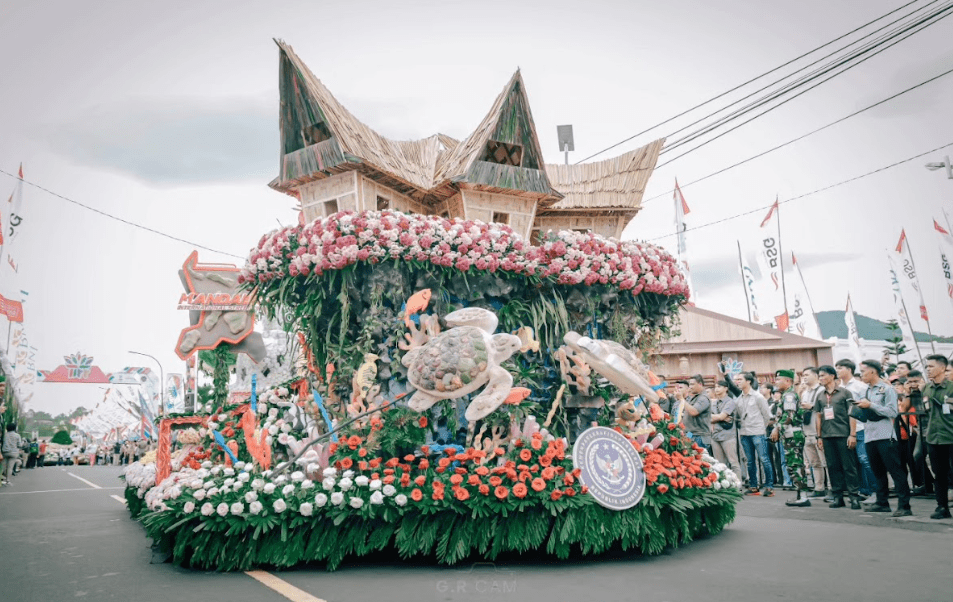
(832, 325)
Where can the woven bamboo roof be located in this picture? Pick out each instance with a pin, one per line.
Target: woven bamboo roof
(431, 168)
(616, 183)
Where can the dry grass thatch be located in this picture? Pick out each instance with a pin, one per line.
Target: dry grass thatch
(614, 183)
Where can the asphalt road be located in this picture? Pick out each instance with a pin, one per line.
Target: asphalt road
(67, 538)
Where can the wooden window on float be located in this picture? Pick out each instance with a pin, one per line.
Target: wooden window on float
(503, 153)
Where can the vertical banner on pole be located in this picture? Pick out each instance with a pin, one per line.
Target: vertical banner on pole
(803, 318)
(748, 281)
(681, 210)
(946, 255)
(900, 308)
(853, 337)
(771, 283)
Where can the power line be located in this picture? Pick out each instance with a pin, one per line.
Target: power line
(119, 219)
(754, 79)
(801, 137)
(806, 194)
(922, 25)
(837, 62)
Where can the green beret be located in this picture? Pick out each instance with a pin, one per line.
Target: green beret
(784, 374)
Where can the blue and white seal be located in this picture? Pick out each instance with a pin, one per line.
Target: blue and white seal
(610, 467)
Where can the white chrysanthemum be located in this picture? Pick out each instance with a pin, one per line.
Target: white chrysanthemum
(216, 470)
(199, 494)
(208, 484)
(328, 483)
(207, 509)
(716, 485)
(286, 428)
(269, 488)
(228, 471)
(337, 498)
(361, 481)
(320, 500)
(329, 472)
(356, 502)
(255, 507)
(279, 505)
(307, 484)
(283, 438)
(222, 417)
(212, 425)
(347, 474)
(213, 491)
(251, 496)
(345, 484)
(239, 465)
(287, 489)
(280, 479)
(377, 498)
(244, 477)
(229, 481)
(724, 483)
(237, 508)
(297, 476)
(305, 509)
(222, 509)
(400, 499)
(389, 490)
(273, 430)
(203, 472)
(273, 413)
(257, 484)
(189, 507)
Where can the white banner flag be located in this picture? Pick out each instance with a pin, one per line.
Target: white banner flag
(909, 281)
(681, 210)
(13, 226)
(946, 255)
(906, 329)
(770, 287)
(853, 337)
(803, 319)
(24, 363)
(748, 279)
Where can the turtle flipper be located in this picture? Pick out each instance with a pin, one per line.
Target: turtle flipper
(493, 396)
(421, 401)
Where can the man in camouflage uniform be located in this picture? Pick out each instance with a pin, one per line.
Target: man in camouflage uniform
(789, 429)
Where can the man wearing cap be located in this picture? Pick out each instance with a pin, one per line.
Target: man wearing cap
(789, 428)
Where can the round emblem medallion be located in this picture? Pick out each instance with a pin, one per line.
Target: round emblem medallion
(610, 467)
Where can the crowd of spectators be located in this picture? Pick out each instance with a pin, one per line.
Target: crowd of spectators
(850, 435)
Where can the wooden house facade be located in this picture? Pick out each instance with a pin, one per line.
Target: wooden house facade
(331, 161)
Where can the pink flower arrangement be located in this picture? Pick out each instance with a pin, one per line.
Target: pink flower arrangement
(346, 238)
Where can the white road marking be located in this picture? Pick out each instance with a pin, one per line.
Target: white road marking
(118, 499)
(282, 587)
(90, 483)
(54, 490)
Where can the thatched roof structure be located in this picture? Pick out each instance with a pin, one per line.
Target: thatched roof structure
(616, 183)
(321, 138)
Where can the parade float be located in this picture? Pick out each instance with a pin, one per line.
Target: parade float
(448, 363)
(441, 378)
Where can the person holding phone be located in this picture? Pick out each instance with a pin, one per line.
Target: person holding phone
(880, 408)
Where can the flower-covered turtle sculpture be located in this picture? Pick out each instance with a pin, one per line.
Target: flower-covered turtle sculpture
(460, 360)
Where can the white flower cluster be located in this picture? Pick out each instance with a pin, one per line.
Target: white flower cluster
(141, 476)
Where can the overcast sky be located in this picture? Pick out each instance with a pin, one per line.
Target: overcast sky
(165, 114)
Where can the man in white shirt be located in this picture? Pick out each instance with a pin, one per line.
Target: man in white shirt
(845, 373)
(813, 453)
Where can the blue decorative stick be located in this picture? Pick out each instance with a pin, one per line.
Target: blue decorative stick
(324, 412)
(254, 394)
(221, 443)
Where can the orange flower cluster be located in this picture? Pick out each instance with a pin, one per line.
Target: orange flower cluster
(675, 470)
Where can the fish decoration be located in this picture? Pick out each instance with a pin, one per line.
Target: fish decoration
(517, 394)
(255, 440)
(527, 337)
(366, 374)
(416, 304)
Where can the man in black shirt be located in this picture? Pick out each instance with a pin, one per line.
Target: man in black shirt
(837, 433)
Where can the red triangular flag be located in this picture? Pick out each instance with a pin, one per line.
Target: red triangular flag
(936, 226)
(903, 237)
(783, 322)
(767, 218)
(681, 199)
(793, 259)
(21, 171)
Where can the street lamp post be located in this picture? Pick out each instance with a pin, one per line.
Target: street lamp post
(942, 165)
(161, 380)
